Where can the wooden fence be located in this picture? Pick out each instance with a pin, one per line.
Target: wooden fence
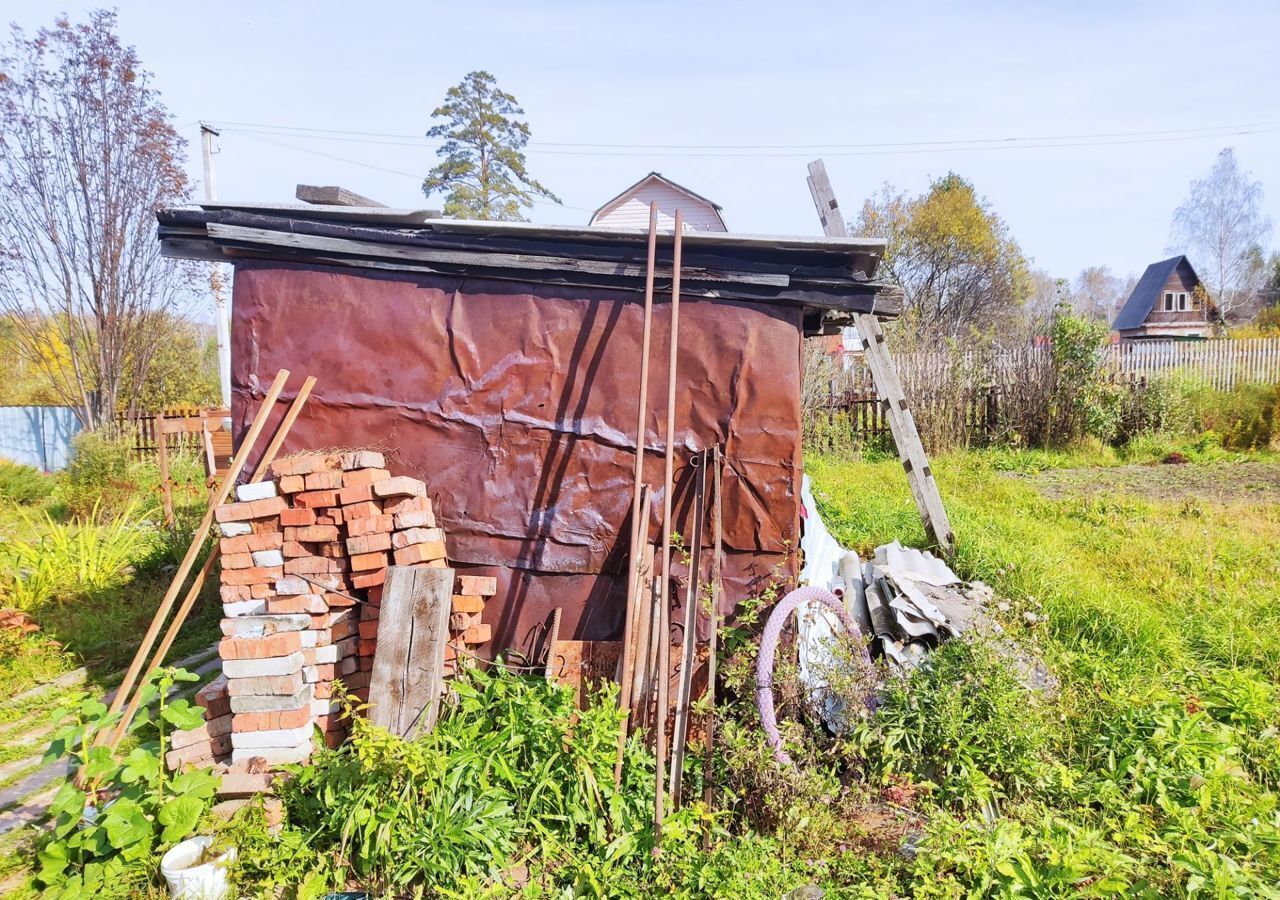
(978, 385)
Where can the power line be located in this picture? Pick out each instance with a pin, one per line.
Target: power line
(592, 149)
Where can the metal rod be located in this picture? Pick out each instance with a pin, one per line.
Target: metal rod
(197, 541)
(717, 543)
(668, 473)
(639, 510)
(553, 635)
(689, 645)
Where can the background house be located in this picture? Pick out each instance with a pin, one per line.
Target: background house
(630, 209)
(1167, 302)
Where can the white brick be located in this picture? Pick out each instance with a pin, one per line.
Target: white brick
(260, 491)
(268, 558)
(263, 626)
(273, 702)
(310, 638)
(258, 668)
(421, 518)
(325, 707)
(363, 459)
(244, 608)
(235, 529)
(322, 655)
(276, 737)
(292, 586)
(411, 536)
(275, 756)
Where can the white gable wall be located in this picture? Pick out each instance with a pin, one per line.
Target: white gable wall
(632, 209)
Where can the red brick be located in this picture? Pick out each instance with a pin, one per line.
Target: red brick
(324, 687)
(432, 550)
(359, 477)
(296, 548)
(254, 575)
(417, 518)
(312, 534)
(468, 603)
(449, 652)
(333, 549)
(484, 585)
(369, 579)
(330, 515)
(281, 643)
(298, 518)
(368, 543)
(234, 512)
(306, 565)
(231, 593)
(477, 634)
(337, 601)
(340, 630)
(368, 646)
(355, 493)
(312, 499)
(362, 510)
(251, 543)
(461, 621)
(268, 506)
(262, 591)
(269, 721)
(375, 596)
(296, 603)
(408, 504)
(267, 685)
(362, 562)
(266, 526)
(304, 464)
(292, 484)
(369, 630)
(237, 560)
(328, 480)
(370, 525)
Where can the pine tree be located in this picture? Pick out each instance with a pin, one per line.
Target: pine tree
(482, 169)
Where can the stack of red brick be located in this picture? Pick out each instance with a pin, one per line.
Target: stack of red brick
(304, 558)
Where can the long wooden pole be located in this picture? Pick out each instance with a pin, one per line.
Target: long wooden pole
(162, 453)
(193, 593)
(717, 544)
(639, 515)
(197, 541)
(286, 424)
(689, 644)
(668, 478)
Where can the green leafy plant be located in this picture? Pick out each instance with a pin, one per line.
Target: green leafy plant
(23, 484)
(106, 838)
(70, 559)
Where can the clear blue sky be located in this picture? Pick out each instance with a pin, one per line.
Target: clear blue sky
(744, 74)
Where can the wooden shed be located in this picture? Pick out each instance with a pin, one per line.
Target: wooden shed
(498, 362)
(1167, 302)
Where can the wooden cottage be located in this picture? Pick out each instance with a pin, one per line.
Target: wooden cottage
(1167, 302)
(630, 209)
(499, 363)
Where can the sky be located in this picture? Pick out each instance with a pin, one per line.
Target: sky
(1082, 123)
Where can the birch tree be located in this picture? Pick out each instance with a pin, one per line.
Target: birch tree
(1222, 228)
(87, 156)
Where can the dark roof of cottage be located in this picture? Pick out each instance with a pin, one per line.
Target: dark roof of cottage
(1145, 293)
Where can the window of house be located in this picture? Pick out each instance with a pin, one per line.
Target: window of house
(1168, 301)
(1183, 305)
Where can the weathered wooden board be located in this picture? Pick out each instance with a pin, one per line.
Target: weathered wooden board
(924, 490)
(408, 664)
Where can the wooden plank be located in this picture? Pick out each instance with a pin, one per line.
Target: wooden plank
(408, 663)
(333, 195)
(689, 639)
(525, 261)
(924, 489)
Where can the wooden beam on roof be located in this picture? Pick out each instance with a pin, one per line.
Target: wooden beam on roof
(333, 195)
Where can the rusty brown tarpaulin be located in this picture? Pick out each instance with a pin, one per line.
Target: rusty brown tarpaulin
(512, 402)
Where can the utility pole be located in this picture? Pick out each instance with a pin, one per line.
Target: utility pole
(217, 281)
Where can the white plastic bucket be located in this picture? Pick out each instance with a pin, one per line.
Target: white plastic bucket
(188, 881)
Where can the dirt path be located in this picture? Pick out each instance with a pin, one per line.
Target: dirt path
(1223, 482)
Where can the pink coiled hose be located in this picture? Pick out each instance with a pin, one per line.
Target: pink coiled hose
(769, 646)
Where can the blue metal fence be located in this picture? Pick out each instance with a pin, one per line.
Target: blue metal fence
(38, 436)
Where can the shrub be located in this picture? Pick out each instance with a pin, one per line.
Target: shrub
(99, 478)
(1244, 417)
(23, 484)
